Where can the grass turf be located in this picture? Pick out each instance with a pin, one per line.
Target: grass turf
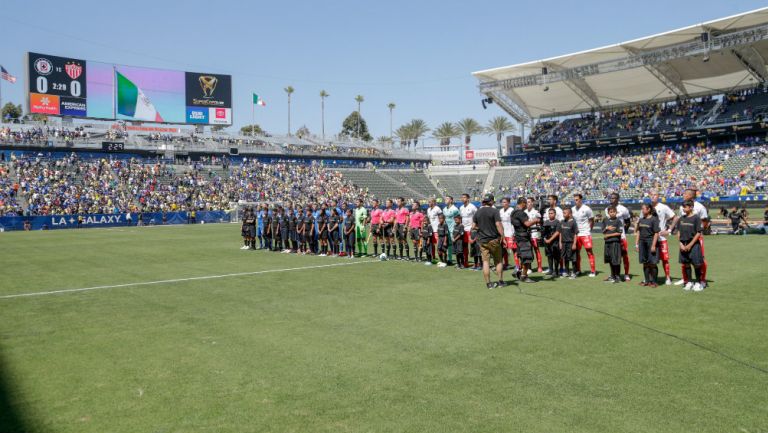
(368, 347)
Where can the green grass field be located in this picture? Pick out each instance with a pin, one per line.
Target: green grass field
(366, 346)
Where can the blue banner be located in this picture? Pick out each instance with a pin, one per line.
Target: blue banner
(50, 222)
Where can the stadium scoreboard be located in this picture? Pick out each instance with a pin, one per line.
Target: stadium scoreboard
(64, 86)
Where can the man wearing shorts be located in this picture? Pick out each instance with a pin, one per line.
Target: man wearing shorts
(585, 220)
(487, 222)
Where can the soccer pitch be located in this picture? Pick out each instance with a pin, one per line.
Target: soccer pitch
(217, 339)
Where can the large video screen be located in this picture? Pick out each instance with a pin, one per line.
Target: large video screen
(79, 88)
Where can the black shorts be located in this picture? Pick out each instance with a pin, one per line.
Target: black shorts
(324, 235)
(553, 250)
(376, 229)
(568, 254)
(524, 251)
(386, 231)
(442, 244)
(692, 257)
(307, 237)
(415, 235)
(458, 247)
(402, 232)
(612, 253)
(645, 255)
(335, 235)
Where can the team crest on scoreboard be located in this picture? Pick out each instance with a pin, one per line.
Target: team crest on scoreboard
(73, 70)
(43, 66)
(208, 84)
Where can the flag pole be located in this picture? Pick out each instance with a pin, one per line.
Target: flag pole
(253, 115)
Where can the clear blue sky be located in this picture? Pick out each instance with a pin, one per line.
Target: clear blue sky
(417, 54)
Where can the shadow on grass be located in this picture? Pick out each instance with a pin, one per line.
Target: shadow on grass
(11, 418)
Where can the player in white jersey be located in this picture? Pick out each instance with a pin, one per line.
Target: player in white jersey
(467, 212)
(623, 215)
(532, 213)
(585, 220)
(667, 218)
(552, 200)
(700, 211)
(510, 247)
(433, 215)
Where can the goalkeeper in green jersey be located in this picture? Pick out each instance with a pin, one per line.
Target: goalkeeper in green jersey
(361, 234)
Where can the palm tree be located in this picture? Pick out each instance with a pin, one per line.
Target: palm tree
(404, 133)
(359, 99)
(391, 107)
(323, 95)
(445, 132)
(289, 90)
(468, 128)
(499, 126)
(418, 129)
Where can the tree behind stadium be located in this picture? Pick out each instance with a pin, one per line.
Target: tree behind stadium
(349, 128)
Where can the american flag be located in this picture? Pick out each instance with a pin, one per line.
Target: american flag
(6, 76)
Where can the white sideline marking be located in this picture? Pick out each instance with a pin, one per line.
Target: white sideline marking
(178, 280)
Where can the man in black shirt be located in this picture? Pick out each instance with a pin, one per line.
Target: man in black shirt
(737, 221)
(550, 234)
(487, 221)
(522, 225)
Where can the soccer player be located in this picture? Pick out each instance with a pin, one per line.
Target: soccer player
(268, 228)
(552, 200)
(349, 233)
(457, 237)
(646, 239)
(550, 233)
(474, 246)
(308, 231)
(401, 229)
(433, 213)
(522, 225)
(667, 218)
(278, 226)
(249, 230)
(450, 211)
(568, 232)
(737, 221)
(415, 221)
(585, 220)
(509, 247)
(612, 230)
(334, 222)
(376, 214)
(442, 241)
(467, 212)
(426, 241)
(700, 211)
(691, 253)
(361, 234)
(623, 215)
(260, 217)
(322, 233)
(388, 226)
(532, 213)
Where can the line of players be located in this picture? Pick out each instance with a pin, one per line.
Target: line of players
(444, 233)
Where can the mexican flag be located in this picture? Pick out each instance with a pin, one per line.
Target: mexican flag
(258, 101)
(132, 102)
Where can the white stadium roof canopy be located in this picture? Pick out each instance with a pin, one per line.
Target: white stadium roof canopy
(702, 59)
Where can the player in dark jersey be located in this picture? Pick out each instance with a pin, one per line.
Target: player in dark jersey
(249, 229)
(612, 254)
(277, 226)
(738, 222)
(322, 233)
(293, 245)
(550, 234)
(568, 231)
(689, 233)
(458, 246)
(268, 215)
(426, 241)
(349, 234)
(307, 231)
(646, 243)
(333, 231)
(442, 241)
